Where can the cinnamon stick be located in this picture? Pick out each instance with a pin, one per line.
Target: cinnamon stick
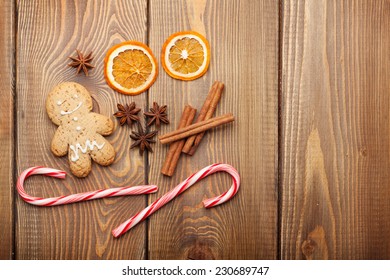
(195, 128)
(193, 142)
(180, 144)
(215, 89)
(175, 148)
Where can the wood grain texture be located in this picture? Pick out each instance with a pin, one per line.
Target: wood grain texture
(7, 19)
(244, 40)
(49, 32)
(335, 130)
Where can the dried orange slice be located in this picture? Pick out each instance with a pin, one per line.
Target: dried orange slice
(130, 67)
(186, 55)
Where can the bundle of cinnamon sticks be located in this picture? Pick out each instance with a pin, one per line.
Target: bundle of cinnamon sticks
(188, 136)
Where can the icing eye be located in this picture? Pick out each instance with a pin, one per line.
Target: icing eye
(59, 102)
(75, 118)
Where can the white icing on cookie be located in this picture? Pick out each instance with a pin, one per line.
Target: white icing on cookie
(75, 119)
(78, 128)
(75, 96)
(88, 146)
(59, 102)
(71, 111)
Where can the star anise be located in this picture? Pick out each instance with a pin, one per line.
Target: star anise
(81, 62)
(127, 114)
(142, 139)
(157, 114)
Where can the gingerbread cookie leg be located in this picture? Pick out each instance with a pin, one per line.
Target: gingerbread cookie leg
(104, 156)
(80, 161)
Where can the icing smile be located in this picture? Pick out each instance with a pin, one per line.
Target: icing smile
(71, 111)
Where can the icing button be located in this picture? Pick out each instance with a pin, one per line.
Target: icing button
(78, 128)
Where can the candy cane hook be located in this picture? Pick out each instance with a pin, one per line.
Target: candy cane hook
(52, 201)
(211, 202)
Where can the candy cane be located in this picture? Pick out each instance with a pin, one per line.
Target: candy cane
(211, 202)
(39, 170)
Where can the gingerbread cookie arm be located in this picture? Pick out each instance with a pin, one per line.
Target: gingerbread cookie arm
(59, 143)
(105, 126)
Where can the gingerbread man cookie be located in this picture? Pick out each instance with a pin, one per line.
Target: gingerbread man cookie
(80, 131)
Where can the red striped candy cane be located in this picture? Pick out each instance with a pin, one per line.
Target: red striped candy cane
(52, 201)
(211, 202)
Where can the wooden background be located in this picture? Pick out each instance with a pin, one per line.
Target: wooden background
(308, 82)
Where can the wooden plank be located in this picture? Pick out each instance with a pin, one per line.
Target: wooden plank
(244, 41)
(7, 18)
(335, 130)
(49, 32)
